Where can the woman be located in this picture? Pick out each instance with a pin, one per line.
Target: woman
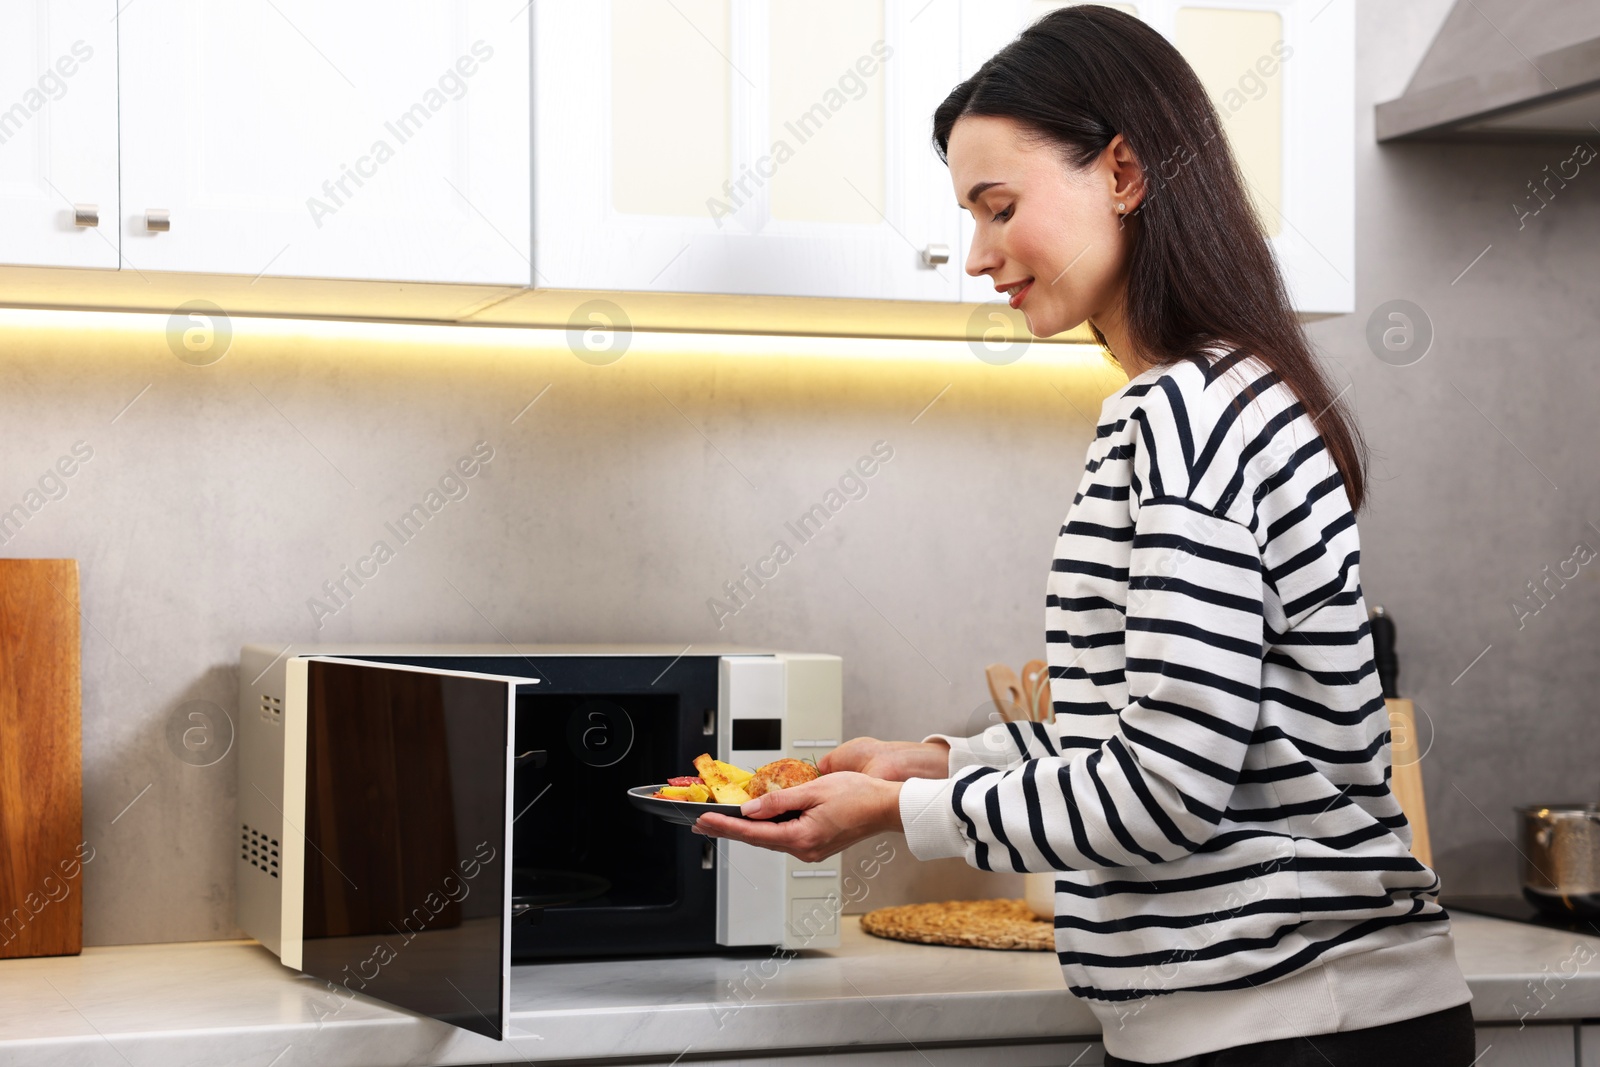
(1234, 881)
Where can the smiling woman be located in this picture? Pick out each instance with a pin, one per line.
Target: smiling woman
(1233, 875)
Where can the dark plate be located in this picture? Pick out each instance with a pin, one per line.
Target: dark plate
(685, 812)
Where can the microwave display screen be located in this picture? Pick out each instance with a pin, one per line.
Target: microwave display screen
(405, 857)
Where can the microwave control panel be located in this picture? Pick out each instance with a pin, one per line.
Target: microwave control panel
(770, 707)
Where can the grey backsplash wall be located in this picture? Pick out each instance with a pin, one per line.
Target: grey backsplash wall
(219, 502)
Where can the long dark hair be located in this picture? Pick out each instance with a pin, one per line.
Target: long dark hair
(1201, 268)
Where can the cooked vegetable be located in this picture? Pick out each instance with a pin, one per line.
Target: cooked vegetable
(718, 777)
(697, 793)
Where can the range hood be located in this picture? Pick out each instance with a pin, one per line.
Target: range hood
(1501, 70)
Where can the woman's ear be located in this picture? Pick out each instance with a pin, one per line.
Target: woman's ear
(1125, 175)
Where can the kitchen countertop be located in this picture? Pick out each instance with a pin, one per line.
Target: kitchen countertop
(231, 1002)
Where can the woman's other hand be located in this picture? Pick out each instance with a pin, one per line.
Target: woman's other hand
(892, 761)
(838, 810)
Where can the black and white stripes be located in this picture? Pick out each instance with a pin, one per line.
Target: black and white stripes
(1213, 793)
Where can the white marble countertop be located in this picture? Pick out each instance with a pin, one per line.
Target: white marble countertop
(231, 1002)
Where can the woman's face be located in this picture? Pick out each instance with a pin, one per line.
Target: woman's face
(1049, 236)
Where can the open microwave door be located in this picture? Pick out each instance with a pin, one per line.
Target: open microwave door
(397, 836)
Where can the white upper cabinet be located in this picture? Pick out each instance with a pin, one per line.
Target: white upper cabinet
(760, 147)
(745, 146)
(58, 133)
(1281, 73)
(350, 140)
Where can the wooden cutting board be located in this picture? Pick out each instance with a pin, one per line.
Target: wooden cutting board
(1406, 774)
(41, 768)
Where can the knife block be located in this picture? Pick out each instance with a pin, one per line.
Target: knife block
(41, 769)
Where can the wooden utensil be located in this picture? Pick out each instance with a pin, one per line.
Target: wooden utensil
(1006, 692)
(41, 769)
(1036, 682)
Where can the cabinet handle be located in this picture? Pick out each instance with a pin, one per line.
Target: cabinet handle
(934, 255)
(87, 215)
(157, 220)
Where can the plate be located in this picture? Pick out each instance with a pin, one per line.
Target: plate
(685, 812)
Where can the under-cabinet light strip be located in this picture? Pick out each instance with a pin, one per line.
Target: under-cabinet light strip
(547, 340)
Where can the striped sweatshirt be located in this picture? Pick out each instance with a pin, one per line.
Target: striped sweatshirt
(1213, 796)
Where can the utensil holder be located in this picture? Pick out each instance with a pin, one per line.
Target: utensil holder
(1039, 890)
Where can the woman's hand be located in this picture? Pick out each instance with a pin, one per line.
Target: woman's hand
(893, 761)
(839, 809)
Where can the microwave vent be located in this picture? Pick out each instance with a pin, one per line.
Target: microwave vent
(258, 849)
(271, 709)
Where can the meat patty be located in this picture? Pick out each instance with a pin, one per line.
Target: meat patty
(779, 774)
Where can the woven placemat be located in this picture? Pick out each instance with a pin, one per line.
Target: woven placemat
(1004, 924)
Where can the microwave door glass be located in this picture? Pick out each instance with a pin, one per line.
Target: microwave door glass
(407, 838)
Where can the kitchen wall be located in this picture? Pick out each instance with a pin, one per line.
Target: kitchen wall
(1483, 457)
(218, 499)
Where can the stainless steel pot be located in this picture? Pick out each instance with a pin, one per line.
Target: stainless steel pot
(1561, 858)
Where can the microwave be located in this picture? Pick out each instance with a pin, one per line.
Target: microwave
(414, 819)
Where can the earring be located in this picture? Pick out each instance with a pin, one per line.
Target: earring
(1121, 207)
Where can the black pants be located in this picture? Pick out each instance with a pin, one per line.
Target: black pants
(1441, 1039)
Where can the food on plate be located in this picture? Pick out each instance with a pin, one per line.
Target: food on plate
(724, 783)
(780, 774)
(715, 769)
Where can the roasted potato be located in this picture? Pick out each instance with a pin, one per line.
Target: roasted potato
(725, 781)
(714, 770)
(697, 793)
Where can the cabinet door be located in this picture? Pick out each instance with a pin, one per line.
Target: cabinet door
(1282, 77)
(353, 140)
(58, 133)
(397, 835)
(744, 146)
(1537, 1045)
